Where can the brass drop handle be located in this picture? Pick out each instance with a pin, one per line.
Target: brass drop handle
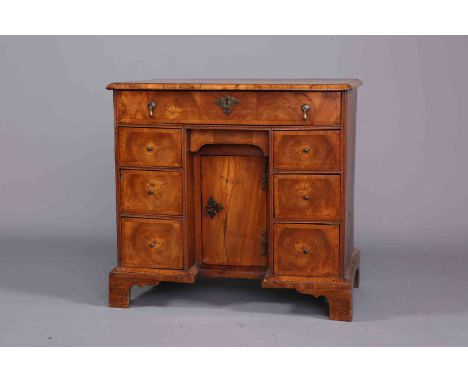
(306, 250)
(305, 109)
(151, 107)
(151, 191)
(306, 197)
(306, 150)
(152, 244)
(149, 148)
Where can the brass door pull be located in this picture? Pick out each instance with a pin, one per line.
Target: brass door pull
(151, 107)
(213, 207)
(305, 109)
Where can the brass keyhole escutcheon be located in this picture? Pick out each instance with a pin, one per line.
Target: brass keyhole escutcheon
(213, 207)
(227, 103)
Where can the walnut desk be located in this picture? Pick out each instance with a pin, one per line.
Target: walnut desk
(236, 179)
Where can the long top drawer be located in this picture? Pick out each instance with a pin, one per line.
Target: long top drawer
(230, 107)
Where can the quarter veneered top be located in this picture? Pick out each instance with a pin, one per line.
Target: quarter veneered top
(238, 84)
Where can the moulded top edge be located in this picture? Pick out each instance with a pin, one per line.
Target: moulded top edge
(237, 84)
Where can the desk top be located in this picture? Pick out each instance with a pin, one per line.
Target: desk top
(239, 84)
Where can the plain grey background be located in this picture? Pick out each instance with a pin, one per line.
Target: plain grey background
(57, 223)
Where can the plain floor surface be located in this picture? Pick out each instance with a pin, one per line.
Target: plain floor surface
(54, 293)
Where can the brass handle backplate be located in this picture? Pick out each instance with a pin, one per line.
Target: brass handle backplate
(227, 103)
(151, 106)
(305, 109)
(213, 207)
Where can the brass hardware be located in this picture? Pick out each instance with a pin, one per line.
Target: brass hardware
(152, 244)
(305, 109)
(264, 244)
(151, 191)
(306, 197)
(306, 250)
(226, 103)
(306, 150)
(213, 207)
(149, 148)
(264, 178)
(151, 106)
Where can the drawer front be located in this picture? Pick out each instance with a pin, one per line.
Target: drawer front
(151, 243)
(307, 150)
(150, 147)
(208, 107)
(306, 250)
(307, 197)
(151, 192)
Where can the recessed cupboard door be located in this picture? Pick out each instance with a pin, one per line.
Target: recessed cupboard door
(233, 210)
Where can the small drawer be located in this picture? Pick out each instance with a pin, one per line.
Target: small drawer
(150, 147)
(307, 197)
(151, 243)
(306, 250)
(151, 192)
(307, 150)
(236, 107)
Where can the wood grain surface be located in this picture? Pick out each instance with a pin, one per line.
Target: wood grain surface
(152, 243)
(307, 150)
(307, 197)
(261, 108)
(234, 235)
(151, 192)
(239, 84)
(150, 147)
(199, 138)
(306, 250)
